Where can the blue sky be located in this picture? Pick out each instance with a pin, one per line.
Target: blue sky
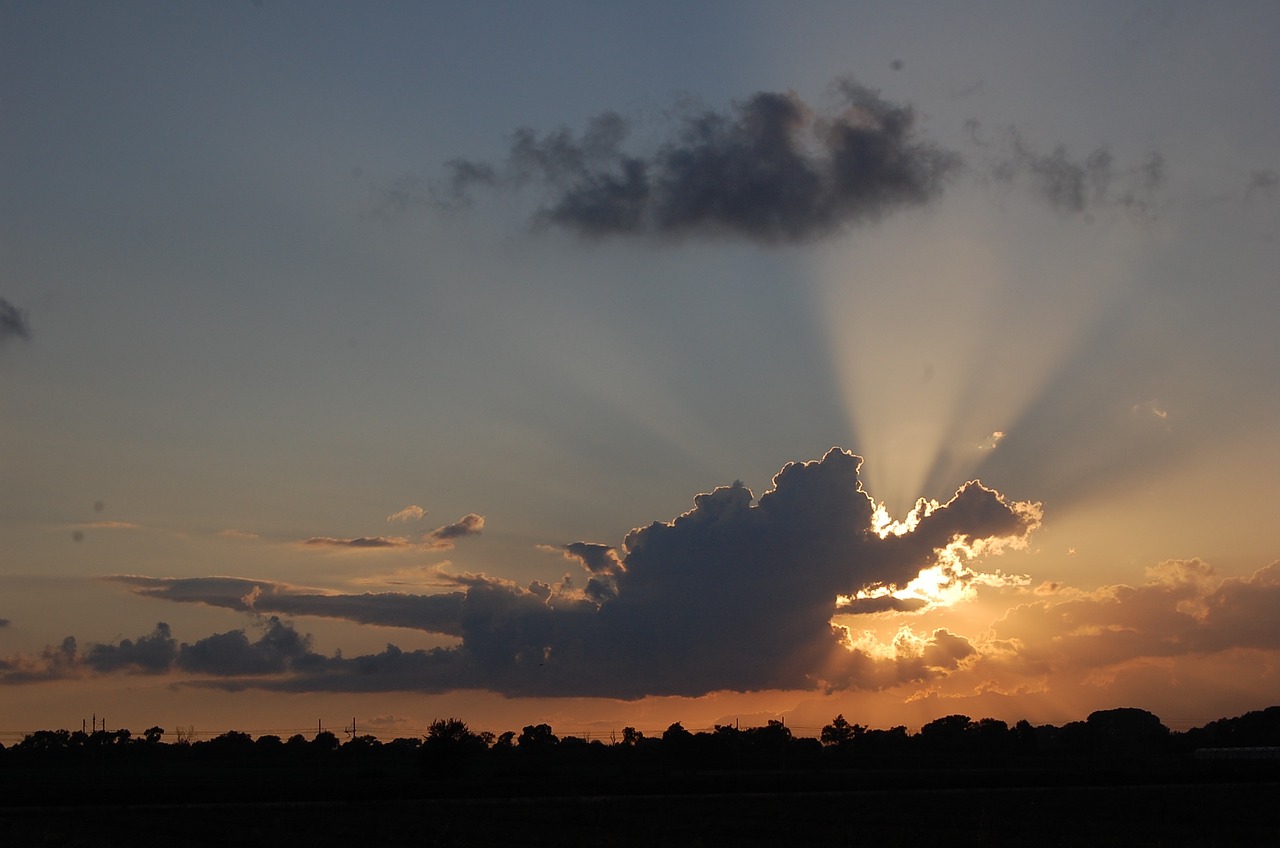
(245, 320)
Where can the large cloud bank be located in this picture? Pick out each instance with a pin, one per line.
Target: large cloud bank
(735, 594)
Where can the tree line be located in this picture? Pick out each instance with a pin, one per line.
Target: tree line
(450, 745)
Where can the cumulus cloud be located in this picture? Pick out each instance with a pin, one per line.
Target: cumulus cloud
(771, 169)
(737, 593)
(154, 653)
(13, 322)
(280, 648)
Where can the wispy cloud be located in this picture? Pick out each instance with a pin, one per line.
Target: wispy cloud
(443, 537)
(359, 543)
(437, 613)
(1071, 184)
(413, 512)
(113, 525)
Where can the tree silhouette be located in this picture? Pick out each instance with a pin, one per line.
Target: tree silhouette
(840, 733)
(449, 744)
(537, 738)
(325, 740)
(1126, 732)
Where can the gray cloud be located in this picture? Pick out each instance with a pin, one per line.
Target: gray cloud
(734, 594)
(13, 322)
(771, 169)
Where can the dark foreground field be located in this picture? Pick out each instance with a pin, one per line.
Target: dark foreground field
(1212, 814)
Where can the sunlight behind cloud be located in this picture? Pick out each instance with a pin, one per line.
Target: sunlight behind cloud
(948, 327)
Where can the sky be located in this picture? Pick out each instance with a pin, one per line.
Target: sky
(609, 365)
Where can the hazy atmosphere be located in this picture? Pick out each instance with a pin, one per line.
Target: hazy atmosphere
(608, 364)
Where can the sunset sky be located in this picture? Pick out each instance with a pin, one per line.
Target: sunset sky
(587, 363)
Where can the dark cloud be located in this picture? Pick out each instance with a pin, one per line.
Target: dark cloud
(279, 649)
(736, 594)
(771, 169)
(153, 654)
(13, 322)
(882, 603)
(4, 622)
